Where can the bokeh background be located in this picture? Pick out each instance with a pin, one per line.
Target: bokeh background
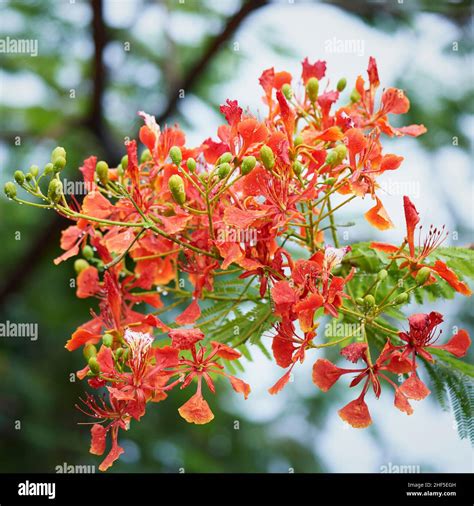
(101, 61)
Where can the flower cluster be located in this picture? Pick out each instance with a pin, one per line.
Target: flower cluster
(232, 206)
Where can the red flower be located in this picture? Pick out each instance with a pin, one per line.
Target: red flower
(416, 257)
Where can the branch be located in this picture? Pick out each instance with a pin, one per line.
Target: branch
(25, 267)
(195, 72)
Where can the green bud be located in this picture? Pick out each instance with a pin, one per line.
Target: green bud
(360, 301)
(330, 181)
(48, 168)
(19, 177)
(120, 170)
(28, 177)
(58, 152)
(34, 170)
(355, 96)
(225, 158)
(176, 155)
(298, 140)
(89, 351)
(248, 164)
(80, 265)
(102, 171)
(422, 276)
(191, 165)
(369, 300)
(124, 162)
(10, 189)
(94, 365)
(176, 186)
(119, 352)
(331, 157)
(297, 167)
(341, 84)
(108, 340)
(59, 163)
(87, 252)
(146, 156)
(312, 89)
(267, 157)
(341, 151)
(401, 299)
(223, 170)
(382, 275)
(55, 190)
(287, 91)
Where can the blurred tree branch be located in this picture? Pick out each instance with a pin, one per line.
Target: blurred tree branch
(95, 123)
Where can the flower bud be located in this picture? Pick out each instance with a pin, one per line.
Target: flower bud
(80, 264)
(89, 351)
(119, 352)
(102, 171)
(59, 163)
(248, 164)
(298, 140)
(176, 186)
(58, 152)
(191, 165)
(19, 177)
(107, 340)
(55, 190)
(401, 299)
(369, 300)
(87, 252)
(176, 155)
(287, 91)
(297, 167)
(341, 151)
(48, 168)
(360, 301)
(355, 96)
(223, 170)
(330, 181)
(267, 157)
(341, 84)
(331, 157)
(10, 189)
(225, 158)
(312, 89)
(124, 162)
(94, 365)
(422, 276)
(382, 275)
(28, 176)
(145, 156)
(34, 170)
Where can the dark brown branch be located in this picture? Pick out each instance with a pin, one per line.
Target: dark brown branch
(196, 71)
(50, 233)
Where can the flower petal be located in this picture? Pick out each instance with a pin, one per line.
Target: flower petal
(356, 414)
(196, 410)
(414, 388)
(377, 216)
(325, 374)
(457, 345)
